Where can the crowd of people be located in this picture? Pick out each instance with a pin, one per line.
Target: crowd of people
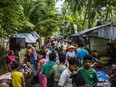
(57, 64)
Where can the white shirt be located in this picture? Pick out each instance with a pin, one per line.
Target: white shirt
(47, 55)
(65, 81)
(70, 54)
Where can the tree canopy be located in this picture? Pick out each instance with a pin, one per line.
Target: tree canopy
(86, 13)
(12, 18)
(43, 17)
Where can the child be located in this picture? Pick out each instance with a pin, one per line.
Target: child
(6, 83)
(88, 72)
(18, 77)
(58, 69)
(65, 80)
(47, 68)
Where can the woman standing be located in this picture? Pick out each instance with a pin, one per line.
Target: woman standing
(42, 77)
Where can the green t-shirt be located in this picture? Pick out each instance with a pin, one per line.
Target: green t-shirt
(91, 75)
(47, 68)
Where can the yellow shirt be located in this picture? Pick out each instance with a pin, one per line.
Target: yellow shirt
(28, 52)
(17, 79)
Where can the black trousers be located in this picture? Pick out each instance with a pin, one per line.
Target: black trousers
(50, 82)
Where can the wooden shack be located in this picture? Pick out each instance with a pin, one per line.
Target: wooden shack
(99, 37)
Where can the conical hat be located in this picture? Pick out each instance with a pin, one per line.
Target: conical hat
(71, 47)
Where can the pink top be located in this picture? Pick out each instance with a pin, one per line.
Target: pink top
(42, 77)
(41, 62)
(11, 58)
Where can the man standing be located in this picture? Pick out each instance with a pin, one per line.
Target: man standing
(47, 51)
(47, 68)
(88, 72)
(81, 53)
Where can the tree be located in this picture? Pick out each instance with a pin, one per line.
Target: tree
(12, 19)
(88, 12)
(43, 16)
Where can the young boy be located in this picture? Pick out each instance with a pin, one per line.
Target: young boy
(18, 77)
(88, 72)
(47, 68)
(58, 69)
(65, 80)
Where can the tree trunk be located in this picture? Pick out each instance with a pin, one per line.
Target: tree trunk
(108, 3)
(89, 11)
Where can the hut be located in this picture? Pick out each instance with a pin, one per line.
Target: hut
(101, 38)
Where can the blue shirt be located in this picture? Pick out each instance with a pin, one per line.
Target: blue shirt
(81, 53)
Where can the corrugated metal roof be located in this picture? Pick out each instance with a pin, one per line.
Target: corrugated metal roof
(29, 38)
(91, 29)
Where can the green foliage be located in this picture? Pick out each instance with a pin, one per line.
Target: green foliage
(12, 19)
(27, 5)
(86, 13)
(43, 16)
